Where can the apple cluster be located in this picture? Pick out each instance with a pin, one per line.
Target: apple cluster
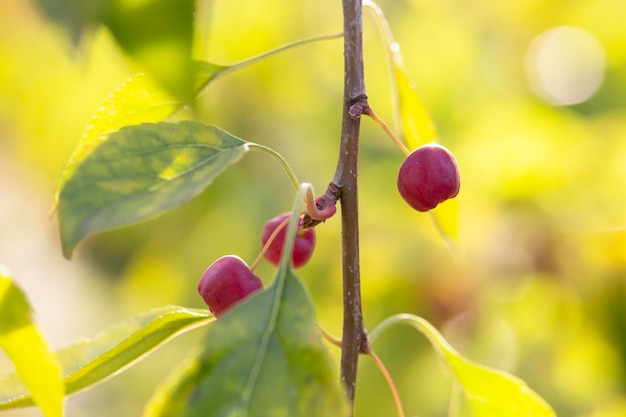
(229, 280)
(428, 176)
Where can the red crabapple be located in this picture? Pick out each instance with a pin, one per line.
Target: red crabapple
(226, 282)
(428, 176)
(303, 245)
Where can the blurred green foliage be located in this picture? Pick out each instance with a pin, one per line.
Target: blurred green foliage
(157, 34)
(540, 286)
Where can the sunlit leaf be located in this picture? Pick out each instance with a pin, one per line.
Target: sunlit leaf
(90, 361)
(36, 367)
(413, 118)
(490, 392)
(140, 171)
(417, 125)
(264, 357)
(141, 99)
(138, 100)
(411, 114)
(495, 393)
(445, 217)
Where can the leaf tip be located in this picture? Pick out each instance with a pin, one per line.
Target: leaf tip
(67, 248)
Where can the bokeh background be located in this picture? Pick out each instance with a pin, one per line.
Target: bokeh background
(529, 95)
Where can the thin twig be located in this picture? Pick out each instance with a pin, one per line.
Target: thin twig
(355, 100)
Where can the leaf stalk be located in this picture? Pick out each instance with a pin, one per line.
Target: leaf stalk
(279, 158)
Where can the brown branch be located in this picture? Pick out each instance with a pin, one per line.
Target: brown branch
(345, 179)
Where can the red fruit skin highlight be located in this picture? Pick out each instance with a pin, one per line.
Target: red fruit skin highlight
(428, 176)
(226, 282)
(303, 245)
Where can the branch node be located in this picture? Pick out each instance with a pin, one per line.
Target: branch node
(358, 106)
(329, 198)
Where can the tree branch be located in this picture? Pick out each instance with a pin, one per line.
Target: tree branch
(355, 101)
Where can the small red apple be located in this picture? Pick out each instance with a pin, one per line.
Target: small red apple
(226, 282)
(428, 176)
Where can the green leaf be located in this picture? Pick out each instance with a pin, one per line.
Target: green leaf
(264, 357)
(490, 392)
(139, 100)
(90, 361)
(36, 367)
(139, 172)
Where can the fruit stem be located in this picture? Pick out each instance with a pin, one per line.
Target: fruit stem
(371, 113)
(387, 375)
(265, 247)
(278, 157)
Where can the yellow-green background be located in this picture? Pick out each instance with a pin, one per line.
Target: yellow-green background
(539, 287)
